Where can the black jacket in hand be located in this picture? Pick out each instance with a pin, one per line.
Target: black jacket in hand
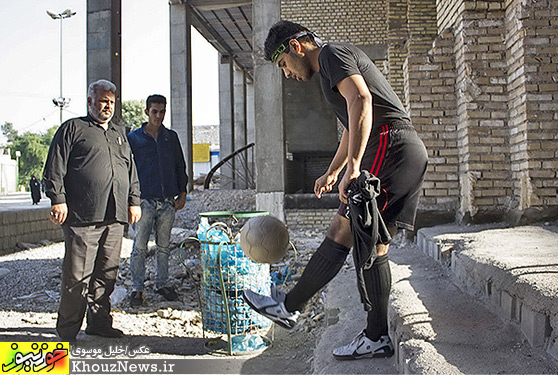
(367, 226)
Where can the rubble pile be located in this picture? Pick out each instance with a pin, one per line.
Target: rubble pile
(213, 200)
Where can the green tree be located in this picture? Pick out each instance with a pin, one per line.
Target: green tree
(133, 114)
(33, 156)
(8, 131)
(49, 134)
(33, 148)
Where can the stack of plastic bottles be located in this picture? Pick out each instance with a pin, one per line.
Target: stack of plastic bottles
(238, 273)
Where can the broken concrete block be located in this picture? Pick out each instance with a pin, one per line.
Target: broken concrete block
(507, 305)
(533, 326)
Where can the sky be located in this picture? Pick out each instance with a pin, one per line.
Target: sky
(30, 61)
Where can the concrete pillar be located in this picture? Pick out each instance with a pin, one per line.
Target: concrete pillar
(398, 34)
(239, 105)
(431, 102)
(268, 99)
(250, 114)
(104, 45)
(250, 126)
(422, 25)
(181, 80)
(533, 109)
(226, 118)
(482, 136)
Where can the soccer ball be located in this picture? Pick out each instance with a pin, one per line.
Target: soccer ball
(264, 239)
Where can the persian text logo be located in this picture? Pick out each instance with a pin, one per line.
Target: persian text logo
(34, 357)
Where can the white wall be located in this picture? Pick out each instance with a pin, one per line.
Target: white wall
(8, 173)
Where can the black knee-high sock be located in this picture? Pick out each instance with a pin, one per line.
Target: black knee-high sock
(378, 286)
(322, 267)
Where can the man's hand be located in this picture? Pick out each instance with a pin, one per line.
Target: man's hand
(134, 214)
(324, 184)
(345, 183)
(58, 213)
(180, 201)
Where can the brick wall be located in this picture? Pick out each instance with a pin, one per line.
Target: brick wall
(532, 39)
(398, 35)
(406, 26)
(483, 96)
(352, 21)
(26, 226)
(505, 91)
(309, 218)
(422, 25)
(401, 26)
(482, 114)
(431, 102)
(448, 12)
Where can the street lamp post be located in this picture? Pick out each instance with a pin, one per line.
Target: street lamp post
(61, 101)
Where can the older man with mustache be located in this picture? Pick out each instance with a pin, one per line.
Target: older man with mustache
(93, 186)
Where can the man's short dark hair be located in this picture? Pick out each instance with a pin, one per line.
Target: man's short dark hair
(155, 99)
(279, 33)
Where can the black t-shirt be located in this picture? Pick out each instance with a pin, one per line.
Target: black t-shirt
(341, 60)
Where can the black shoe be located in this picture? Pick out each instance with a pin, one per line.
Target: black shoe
(105, 332)
(136, 298)
(69, 339)
(168, 293)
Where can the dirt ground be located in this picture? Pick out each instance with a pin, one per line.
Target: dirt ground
(30, 285)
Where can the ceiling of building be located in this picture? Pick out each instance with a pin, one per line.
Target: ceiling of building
(227, 25)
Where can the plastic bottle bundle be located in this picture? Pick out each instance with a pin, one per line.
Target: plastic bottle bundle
(247, 343)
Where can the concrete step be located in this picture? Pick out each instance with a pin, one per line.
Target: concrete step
(437, 328)
(513, 272)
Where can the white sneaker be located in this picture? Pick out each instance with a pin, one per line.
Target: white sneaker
(363, 347)
(272, 307)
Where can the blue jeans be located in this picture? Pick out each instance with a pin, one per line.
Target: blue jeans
(158, 215)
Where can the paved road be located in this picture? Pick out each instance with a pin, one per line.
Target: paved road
(20, 201)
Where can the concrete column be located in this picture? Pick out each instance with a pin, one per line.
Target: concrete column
(482, 113)
(421, 19)
(533, 109)
(250, 115)
(398, 34)
(239, 105)
(104, 45)
(181, 81)
(432, 104)
(268, 99)
(226, 118)
(250, 126)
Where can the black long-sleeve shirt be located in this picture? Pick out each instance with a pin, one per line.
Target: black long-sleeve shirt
(93, 171)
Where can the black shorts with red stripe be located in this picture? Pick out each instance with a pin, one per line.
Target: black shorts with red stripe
(397, 156)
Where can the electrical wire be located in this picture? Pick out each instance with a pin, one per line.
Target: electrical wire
(43, 118)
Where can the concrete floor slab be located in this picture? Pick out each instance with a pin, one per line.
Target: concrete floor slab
(514, 271)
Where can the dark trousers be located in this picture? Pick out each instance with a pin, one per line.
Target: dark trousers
(89, 273)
